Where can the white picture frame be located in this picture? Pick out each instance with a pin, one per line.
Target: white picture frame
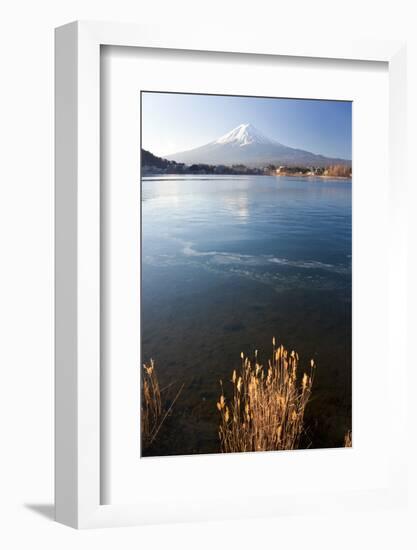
(78, 406)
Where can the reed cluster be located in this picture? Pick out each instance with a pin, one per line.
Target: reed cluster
(151, 408)
(348, 439)
(153, 413)
(266, 410)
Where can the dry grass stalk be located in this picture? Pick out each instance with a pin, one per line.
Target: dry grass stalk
(151, 410)
(348, 439)
(267, 409)
(153, 414)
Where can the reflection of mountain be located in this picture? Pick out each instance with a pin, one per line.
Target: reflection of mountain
(246, 145)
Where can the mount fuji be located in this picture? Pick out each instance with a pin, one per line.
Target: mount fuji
(247, 145)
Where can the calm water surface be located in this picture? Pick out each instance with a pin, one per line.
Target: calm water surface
(228, 262)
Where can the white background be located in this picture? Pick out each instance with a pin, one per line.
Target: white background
(26, 301)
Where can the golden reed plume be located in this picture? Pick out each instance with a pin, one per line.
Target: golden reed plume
(266, 411)
(151, 410)
(153, 415)
(348, 439)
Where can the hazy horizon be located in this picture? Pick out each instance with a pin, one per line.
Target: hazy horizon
(174, 122)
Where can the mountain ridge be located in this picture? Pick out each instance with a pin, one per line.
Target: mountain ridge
(245, 144)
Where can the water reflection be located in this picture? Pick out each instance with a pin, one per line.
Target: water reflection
(226, 264)
(238, 206)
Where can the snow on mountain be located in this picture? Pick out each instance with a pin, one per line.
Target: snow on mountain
(245, 144)
(244, 134)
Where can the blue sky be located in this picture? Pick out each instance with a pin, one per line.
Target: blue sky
(177, 122)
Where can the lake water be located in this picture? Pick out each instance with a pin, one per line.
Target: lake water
(228, 262)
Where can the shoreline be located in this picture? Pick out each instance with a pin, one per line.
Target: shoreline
(312, 176)
(321, 176)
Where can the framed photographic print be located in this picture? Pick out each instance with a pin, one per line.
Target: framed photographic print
(227, 269)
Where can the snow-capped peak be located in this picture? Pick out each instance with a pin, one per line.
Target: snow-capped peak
(244, 134)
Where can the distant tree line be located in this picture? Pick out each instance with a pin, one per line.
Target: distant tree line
(336, 170)
(151, 164)
(148, 160)
(339, 170)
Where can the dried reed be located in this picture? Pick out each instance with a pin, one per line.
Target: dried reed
(348, 439)
(151, 410)
(267, 409)
(153, 414)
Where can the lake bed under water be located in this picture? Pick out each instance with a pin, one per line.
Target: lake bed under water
(228, 262)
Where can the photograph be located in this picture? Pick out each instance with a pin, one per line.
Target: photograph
(246, 273)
